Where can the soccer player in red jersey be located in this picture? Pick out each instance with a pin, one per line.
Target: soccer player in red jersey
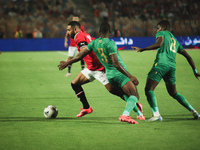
(72, 48)
(94, 70)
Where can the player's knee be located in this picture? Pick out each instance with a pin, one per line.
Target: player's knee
(109, 88)
(76, 88)
(135, 94)
(73, 86)
(138, 97)
(146, 91)
(173, 95)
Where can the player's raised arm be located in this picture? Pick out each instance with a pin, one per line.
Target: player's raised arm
(156, 45)
(191, 62)
(79, 56)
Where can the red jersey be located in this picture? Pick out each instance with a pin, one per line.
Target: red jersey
(72, 42)
(82, 39)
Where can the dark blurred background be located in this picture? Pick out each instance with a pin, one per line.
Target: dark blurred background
(128, 18)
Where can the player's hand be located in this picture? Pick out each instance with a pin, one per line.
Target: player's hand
(66, 44)
(197, 75)
(136, 48)
(62, 65)
(134, 80)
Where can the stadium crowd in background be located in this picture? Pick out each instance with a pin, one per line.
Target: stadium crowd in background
(132, 17)
(48, 16)
(138, 17)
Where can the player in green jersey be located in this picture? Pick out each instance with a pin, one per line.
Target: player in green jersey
(116, 71)
(164, 67)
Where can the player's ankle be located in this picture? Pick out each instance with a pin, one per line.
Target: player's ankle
(155, 114)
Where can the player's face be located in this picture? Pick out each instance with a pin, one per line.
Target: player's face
(159, 28)
(71, 31)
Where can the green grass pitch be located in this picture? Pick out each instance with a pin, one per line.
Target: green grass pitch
(29, 81)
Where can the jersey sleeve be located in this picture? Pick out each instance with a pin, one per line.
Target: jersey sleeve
(112, 47)
(180, 48)
(81, 41)
(159, 34)
(90, 45)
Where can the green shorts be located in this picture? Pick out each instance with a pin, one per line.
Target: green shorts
(119, 80)
(164, 71)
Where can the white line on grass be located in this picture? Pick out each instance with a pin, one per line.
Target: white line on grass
(63, 53)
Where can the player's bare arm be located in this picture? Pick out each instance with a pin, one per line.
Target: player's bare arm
(191, 62)
(119, 67)
(158, 44)
(79, 56)
(66, 40)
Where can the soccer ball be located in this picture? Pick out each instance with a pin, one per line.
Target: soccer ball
(50, 111)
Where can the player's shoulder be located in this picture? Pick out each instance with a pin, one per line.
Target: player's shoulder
(106, 40)
(166, 32)
(161, 34)
(111, 42)
(80, 35)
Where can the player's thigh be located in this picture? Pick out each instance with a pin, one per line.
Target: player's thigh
(157, 72)
(170, 77)
(88, 74)
(118, 80)
(130, 89)
(80, 79)
(72, 51)
(101, 77)
(124, 82)
(171, 89)
(150, 85)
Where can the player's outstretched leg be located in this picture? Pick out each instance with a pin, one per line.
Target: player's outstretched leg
(81, 95)
(84, 112)
(151, 98)
(183, 101)
(131, 103)
(153, 104)
(138, 110)
(140, 116)
(171, 88)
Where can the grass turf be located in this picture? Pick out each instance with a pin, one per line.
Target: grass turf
(30, 81)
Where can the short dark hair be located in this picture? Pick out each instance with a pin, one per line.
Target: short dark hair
(74, 23)
(165, 24)
(104, 27)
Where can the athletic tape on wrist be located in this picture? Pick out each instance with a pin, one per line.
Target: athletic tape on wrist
(195, 71)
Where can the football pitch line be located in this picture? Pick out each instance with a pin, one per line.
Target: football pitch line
(63, 53)
(66, 52)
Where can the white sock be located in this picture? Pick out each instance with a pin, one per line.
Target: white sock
(125, 113)
(156, 113)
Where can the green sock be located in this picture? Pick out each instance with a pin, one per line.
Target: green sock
(125, 97)
(183, 101)
(152, 101)
(130, 104)
(136, 110)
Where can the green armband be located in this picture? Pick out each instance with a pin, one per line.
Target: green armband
(195, 71)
